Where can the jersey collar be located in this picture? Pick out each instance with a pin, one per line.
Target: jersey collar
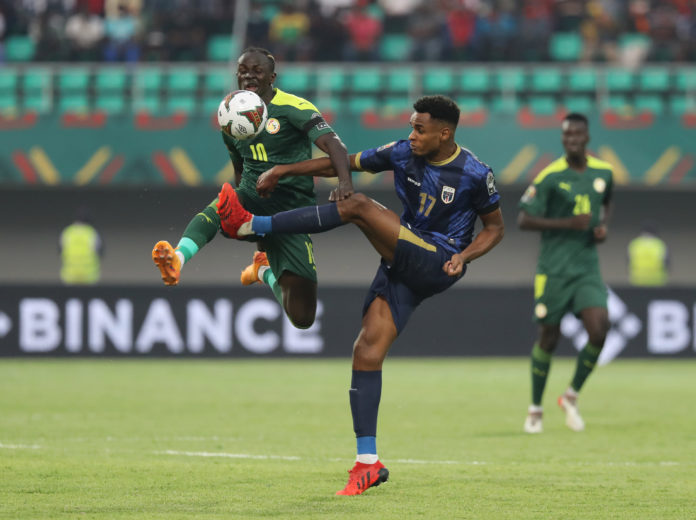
(449, 159)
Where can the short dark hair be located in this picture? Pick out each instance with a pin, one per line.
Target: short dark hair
(578, 117)
(439, 107)
(265, 52)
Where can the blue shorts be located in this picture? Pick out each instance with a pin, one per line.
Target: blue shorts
(415, 274)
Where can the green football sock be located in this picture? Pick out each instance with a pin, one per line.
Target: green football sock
(270, 280)
(587, 359)
(200, 230)
(541, 362)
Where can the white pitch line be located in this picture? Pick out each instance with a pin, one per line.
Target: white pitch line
(226, 455)
(20, 446)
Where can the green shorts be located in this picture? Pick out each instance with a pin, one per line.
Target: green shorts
(554, 296)
(286, 252)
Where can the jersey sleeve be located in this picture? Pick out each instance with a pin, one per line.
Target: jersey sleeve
(307, 118)
(377, 159)
(610, 188)
(486, 197)
(534, 199)
(234, 154)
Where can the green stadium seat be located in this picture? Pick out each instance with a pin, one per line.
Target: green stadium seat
(8, 79)
(617, 103)
(619, 80)
(366, 79)
(73, 79)
(359, 104)
(474, 79)
(220, 47)
(181, 103)
(35, 79)
(36, 85)
(508, 104)
(110, 79)
(565, 46)
(510, 79)
(576, 103)
(471, 103)
(112, 104)
(295, 79)
(182, 79)
(651, 103)
(210, 104)
(546, 80)
(396, 104)
(331, 80)
(542, 105)
(401, 79)
(37, 101)
(330, 104)
(19, 48)
(74, 102)
(654, 79)
(438, 80)
(147, 78)
(637, 41)
(685, 79)
(582, 79)
(219, 81)
(8, 102)
(395, 47)
(679, 105)
(150, 102)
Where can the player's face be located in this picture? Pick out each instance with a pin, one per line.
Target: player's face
(254, 73)
(427, 135)
(574, 137)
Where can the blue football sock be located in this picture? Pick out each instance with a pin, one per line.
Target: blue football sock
(310, 219)
(365, 393)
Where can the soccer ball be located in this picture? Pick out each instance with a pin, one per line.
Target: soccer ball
(242, 114)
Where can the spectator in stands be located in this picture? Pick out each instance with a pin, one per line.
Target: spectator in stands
(3, 29)
(461, 25)
(328, 35)
(84, 32)
(427, 28)
(397, 13)
(667, 45)
(289, 33)
(535, 30)
(46, 30)
(600, 31)
(122, 36)
(257, 27)
(364, 31)
(648, 258)
(81, 249)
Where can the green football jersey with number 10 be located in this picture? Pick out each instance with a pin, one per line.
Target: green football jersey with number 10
(293, 125)
(559, 191)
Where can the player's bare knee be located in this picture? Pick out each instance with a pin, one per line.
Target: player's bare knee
(366, 356)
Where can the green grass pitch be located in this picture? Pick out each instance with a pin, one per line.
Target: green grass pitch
(245, 439)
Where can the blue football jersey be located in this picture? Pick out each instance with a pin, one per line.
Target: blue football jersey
(441, 200)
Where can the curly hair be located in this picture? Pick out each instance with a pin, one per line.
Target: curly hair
(439, 107)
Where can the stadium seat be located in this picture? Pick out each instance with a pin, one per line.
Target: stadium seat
(542, 105)
(474, 79)
(396, 104)
(651, 103)
(73, 102)
(507, 104)
(565, 46)
(510, 79)
(112, 104)
(401, 79)
(182, 79)
(210, 104)
(395, 47)
(8, 102)
(329, 104)
(686, 79)
(679, 105)
(36, 78)
(147, 79)
(295, 79)
(617, 103)
(634, 42)
(438, 80)
(548, 79)
(181, 103)
(19, 48)
(619, 80)
(582, 104)
(366, 79)
(73, 80)
(220, 47)
(359, 104)
(471, 103)
(656, 79)
(149, 102)
(37, 101)
(331, 80)
(36, 84)
(111, 79)
(582, 79)
(8, 79)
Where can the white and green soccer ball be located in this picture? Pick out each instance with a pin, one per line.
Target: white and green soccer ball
(242, 114)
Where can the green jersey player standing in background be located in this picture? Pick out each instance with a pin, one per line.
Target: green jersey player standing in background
(284, 262)
(569, 202)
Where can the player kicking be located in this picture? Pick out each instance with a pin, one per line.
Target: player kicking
(443, 188)
(286, 264)
(569, 202)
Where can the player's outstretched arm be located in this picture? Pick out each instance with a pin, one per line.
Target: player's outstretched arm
(528, 222)
(489, 236)
(332, 145)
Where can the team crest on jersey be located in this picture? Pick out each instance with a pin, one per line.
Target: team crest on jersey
(599, 185)
(272, 125)
(490, 183)
(447, 194)
(529, 193)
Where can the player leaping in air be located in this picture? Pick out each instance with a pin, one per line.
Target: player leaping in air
(444, 188)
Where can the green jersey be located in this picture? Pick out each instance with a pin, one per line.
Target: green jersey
(293, 125)
(559, 191)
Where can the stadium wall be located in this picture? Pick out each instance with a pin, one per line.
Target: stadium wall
(240, 323)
